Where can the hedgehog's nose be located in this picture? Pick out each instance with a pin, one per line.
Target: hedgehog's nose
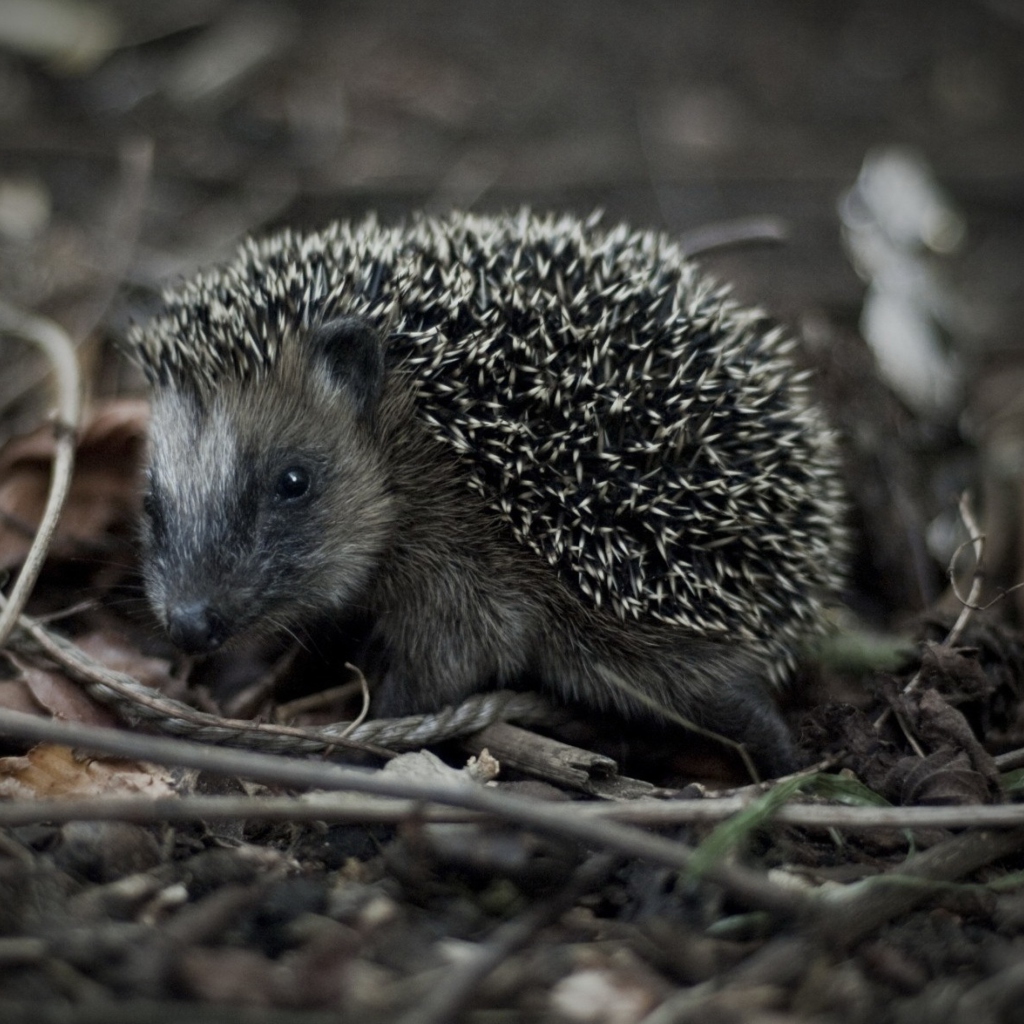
(196, 628)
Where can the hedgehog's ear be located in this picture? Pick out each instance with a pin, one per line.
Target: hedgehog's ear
(353, 352)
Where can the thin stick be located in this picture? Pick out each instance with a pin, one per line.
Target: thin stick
(73, 659)
(977, 539)
(136, 703)
(364, 710)
(745, 884)
(315, 701)
(60, 351)
(638, 695)
(1010, 760)
(861, 908)
(354, 809)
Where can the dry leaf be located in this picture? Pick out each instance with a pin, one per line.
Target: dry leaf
(104, 489)
(944, 777)
(49, 771)
(16, 696)
(61, 697)
(115, 652)
(955, 672)
(937, 724)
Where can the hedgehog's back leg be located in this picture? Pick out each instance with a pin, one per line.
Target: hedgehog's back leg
(717, 687)
(744, 710)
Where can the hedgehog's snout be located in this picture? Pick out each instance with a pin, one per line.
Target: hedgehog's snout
(196, 628)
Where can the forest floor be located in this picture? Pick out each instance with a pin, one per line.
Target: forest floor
(854, 169)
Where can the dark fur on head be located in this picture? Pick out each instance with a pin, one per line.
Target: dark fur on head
(315, 447)
(253, 518)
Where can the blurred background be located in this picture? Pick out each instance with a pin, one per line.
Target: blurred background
(856, 168)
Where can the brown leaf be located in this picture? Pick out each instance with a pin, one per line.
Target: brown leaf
(52, 771)
(16, 696)
(840, 729)
(938, 724)
(945, 777)
(65, 700)
(954, 672)
(104, 489)
(114, 651)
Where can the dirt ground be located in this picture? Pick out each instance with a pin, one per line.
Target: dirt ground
(856, 169)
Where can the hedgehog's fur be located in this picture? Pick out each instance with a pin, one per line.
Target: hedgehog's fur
(617, 414)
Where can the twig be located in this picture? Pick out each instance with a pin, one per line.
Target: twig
(858, 910)
(758, 789)
(349, 808)
(315, 701)
(334, 808)
(664, 813)
(134, 702)
(977, 539)
(743, 883)
(450, 998)
(60, 351)
(154, 706)
(909, 733)
(364, 710)
(1010, 760)
(541, 756)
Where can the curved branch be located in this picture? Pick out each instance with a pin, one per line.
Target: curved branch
(60, 351)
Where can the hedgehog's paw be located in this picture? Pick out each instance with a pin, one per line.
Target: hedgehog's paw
(747, 713)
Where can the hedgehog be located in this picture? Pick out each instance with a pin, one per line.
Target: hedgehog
(534, 451)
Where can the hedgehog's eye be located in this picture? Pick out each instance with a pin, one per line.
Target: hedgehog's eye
(153, 512)
(151, 509)
(292, 483)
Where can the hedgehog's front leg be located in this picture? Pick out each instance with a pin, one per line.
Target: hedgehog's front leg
(450, 623)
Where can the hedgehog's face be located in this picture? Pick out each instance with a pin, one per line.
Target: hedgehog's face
(267, 501)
